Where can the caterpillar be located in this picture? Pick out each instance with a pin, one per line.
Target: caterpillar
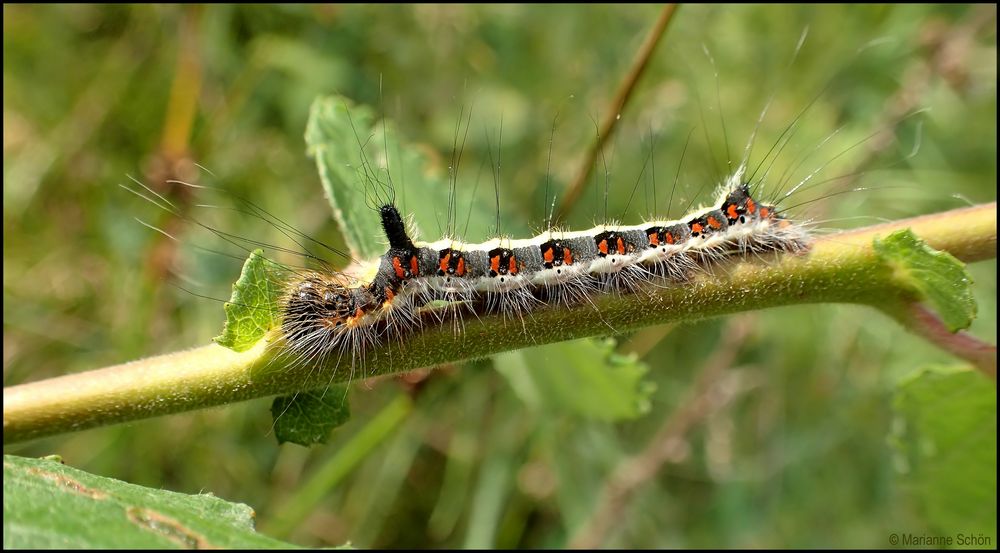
(323, 312)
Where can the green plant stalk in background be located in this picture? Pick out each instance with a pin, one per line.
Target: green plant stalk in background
(841, 268)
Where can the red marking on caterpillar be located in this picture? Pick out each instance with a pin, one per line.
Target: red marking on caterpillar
(397, 266)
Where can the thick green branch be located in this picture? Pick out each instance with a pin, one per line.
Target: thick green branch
(841, 268)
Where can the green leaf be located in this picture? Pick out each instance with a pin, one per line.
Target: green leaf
(253, 309)
(363, 164)
(585, 378)
(946, 442)
(936, 277)
(337, 136)
(49, 505)
(307, 418)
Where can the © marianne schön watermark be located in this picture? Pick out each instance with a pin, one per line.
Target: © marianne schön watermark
(906, 539)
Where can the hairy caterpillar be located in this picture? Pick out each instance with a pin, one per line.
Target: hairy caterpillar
(322, 312)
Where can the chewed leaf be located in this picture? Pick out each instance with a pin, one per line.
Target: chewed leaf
(47, 505)
(307, 418)
(585, 378)
(253, 310)
(936, 277)
(945, 435)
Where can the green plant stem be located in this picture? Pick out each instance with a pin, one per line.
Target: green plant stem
(840, 268)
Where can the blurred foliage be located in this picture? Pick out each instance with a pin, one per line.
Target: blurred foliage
(799, 456)
(942, 457)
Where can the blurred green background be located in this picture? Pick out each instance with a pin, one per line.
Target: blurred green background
(796, 452)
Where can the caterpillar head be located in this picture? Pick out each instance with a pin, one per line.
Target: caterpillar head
(324, 302)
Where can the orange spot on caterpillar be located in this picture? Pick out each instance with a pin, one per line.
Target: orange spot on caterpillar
(697, 227)
(549, 256)
(389, 294)
(621, 246)
(444, 262)
(413, 266)
(654, 240)
(669, 237)
(512, 265)
(764, 212)
(352, 322)
(495, 263)
(714, 223)
(460, 269)
(602, 247)
(397, 266)
(731, 212)
(567, 256)
(751, 206)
